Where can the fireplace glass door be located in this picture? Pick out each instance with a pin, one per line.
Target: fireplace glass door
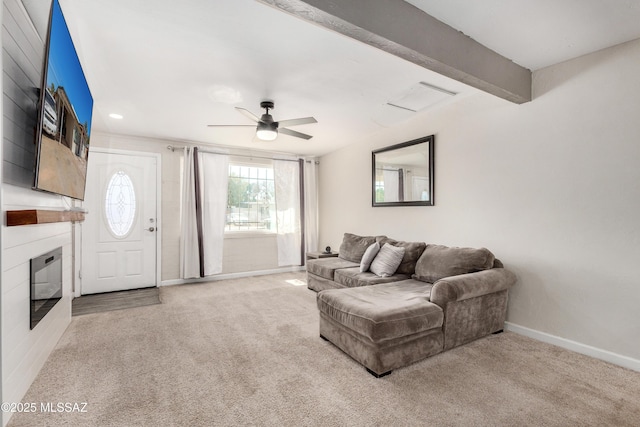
(46, 284)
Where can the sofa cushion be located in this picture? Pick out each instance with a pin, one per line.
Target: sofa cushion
(412, 253)
(368, 256)
(387, 261)
(383, 312)
(353, 247)
(437, 262)
(353, 278)
(325, 267)
(425, 288)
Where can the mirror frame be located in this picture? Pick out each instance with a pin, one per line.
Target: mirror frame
(429, 140)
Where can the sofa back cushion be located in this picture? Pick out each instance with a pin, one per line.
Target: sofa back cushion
(353, 246)
(412, 253)
(437, 262)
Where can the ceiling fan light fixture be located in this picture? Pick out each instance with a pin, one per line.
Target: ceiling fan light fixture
(264, 132)
(268, 129)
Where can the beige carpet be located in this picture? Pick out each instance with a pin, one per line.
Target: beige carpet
(247, 352)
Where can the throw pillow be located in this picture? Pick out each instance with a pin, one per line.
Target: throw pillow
(438, 262)
(368, 257)
(412, 252)
(387, 261)
(353, 247)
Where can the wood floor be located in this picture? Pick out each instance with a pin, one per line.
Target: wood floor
(109, 301)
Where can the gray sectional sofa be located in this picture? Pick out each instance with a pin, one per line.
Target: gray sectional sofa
(438, 298)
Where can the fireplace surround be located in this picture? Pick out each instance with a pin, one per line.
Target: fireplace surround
(46, 284)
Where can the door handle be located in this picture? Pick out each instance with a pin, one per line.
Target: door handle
(151, 229)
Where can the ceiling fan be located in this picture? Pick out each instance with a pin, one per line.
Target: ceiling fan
(268, 129)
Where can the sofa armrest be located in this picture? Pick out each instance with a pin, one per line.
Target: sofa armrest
(465, 286)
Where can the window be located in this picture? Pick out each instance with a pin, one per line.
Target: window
(251, 201)
(120, 204)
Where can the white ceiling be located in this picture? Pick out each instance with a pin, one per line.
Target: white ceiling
(539, 33)
(170, 68)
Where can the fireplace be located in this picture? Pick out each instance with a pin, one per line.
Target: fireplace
(46, 284)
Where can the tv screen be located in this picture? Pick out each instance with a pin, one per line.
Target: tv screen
(64, 123)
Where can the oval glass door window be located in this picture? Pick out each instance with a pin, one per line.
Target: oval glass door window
(120, 204)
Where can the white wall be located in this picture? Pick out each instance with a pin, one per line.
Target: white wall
(255, 252)
(552, 187)
(25, 351)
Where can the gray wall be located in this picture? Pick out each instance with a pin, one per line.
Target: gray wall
(551, 187)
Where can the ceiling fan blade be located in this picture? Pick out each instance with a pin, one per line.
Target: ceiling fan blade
(296, 122)
(249, 114)
(228, 126)
(290, 132)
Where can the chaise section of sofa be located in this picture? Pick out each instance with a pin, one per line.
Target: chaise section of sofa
(383, 327)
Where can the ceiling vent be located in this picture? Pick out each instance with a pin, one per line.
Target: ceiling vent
(418, 97)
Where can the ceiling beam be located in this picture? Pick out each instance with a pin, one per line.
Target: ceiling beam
(403, 30)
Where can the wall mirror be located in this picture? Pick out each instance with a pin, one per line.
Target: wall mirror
(402, 174)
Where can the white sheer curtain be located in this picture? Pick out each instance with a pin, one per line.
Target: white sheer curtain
(287, 183)
(189, 249)
(311, 205)
(391, 184)
(214, 178)
(203, 220)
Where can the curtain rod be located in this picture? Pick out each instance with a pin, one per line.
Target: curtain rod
(172, 148)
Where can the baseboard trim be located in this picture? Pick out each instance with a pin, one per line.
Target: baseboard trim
(607, 356)
(232, 275)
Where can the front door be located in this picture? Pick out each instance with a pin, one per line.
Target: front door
(120, 230)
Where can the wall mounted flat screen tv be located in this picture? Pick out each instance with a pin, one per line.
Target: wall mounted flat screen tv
(64, 122)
